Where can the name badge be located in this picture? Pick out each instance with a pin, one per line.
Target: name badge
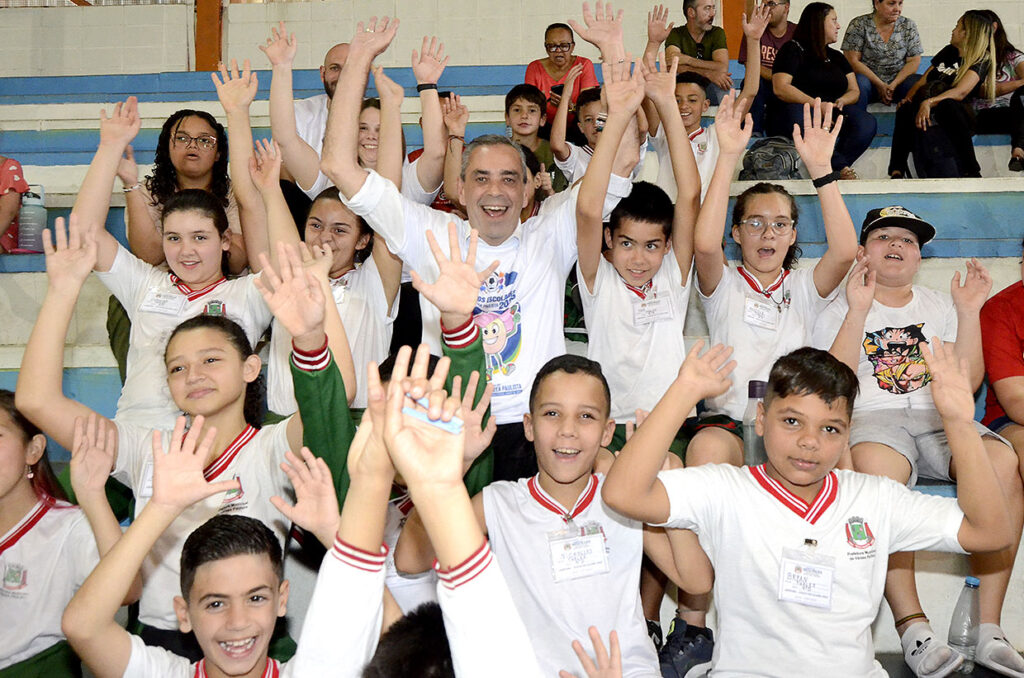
(164, 303)
(146, 486)
(760, 313)
(339, 291)
(577, 552)
(652, 309)
(806, 578)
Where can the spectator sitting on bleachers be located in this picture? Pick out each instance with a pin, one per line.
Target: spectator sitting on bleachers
(551, 71)
(806, 68)
(964, 68)
(780, 31)
(701, 47)
(884, 49)
(1005, 113)
(12, 185)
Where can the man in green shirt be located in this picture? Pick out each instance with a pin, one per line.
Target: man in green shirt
(701, 48)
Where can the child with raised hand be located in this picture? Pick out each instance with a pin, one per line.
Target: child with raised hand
(210, 370)
(797, 513)
(195, 240)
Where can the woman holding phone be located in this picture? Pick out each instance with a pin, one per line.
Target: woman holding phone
(548, 74)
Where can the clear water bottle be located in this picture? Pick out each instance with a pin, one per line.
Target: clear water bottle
(963, 627)
(31, 220)
(753, 444)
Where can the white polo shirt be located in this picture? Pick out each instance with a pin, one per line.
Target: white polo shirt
(704, 143)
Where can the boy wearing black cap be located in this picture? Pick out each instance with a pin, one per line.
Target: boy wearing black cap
(896, 431)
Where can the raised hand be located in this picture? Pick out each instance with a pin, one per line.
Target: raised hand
(603, 29)
(570, 80)
(127, 170)
(122, 126)
(455, 114)
(388, 89)
(478, 434)
(371, 39)
(455, 291)
(235, 91)
(317, 259)
(860, 287)
(178, 480)
(316, 504)
(543, 181)
(817, 140)
(92, 456)
(755, 25)
(70, 260)
(707, 375)
(280, 48)
(623, 91)
(657, 30)
(293, 295)
(660, 79)
(428, 64)
(265, 165)
(971, 295)
(951, 382)
(732, 128)
(607, 665)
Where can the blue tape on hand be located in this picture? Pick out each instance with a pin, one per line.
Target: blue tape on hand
(454, 426)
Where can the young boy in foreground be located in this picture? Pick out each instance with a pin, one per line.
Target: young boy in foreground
(800, 549)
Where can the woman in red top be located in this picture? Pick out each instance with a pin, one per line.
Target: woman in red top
(12, 185)
(551, 70)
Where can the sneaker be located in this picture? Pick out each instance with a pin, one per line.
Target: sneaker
(1016, 164)
(687, 651)
(654, 631)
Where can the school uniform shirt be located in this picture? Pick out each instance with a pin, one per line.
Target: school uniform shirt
(891, 370)
(761, 324)
(409, 590)
(516, 311)
(156, 302)
(853, 525)
(253, 458)
(363, 307)
(43, 561)
(575, 166)
(704, 143)
(636, 334)
(532, 541)
(1002, 333)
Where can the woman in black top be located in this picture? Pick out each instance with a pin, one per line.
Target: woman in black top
(963, 68)
(806, 68)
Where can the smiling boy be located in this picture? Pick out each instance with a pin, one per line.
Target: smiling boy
(800, 549)
(524, 116)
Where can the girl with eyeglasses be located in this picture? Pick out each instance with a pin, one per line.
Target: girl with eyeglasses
(551, 71)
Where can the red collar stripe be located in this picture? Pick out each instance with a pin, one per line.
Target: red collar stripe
(582, 502)
(756, 286)
(227, 456)
(467, 570)
(358, 558)
(697, 133)
(273, 669)
(192, 294)
(825, 498)
(640, 291)
(26, 525)
(404, 505)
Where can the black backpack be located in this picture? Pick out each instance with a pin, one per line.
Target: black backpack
(771, 158)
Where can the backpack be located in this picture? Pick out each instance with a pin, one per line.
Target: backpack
(773, 158)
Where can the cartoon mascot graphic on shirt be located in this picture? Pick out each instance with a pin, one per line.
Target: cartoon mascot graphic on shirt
(895, 355)
(498, 317)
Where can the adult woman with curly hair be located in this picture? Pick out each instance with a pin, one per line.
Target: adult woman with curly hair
(192, 152)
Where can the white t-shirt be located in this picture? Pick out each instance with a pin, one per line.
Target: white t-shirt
(522, 520)
(363, 307)
(760, 328)
(575, 166)
(638, 341)
(44, 559)
(704, 143)
(409, 590)
(157, 302)
(254, 458)
(857, 520)
(519, 309)
(891, 370)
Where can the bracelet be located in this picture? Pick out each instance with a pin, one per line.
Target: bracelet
(826, 179)
(129, 189)
(909, 617)
(425, 86)
(457, 136)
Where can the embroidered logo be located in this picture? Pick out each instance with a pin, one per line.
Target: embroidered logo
(858, 533)
(15, 577)
(234, 495)
(215, 307)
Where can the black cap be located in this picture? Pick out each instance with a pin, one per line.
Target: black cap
(900, 217)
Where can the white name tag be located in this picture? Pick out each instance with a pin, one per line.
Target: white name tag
(165, 303)
(806, 578)
(577, 552)
(339, 291)
(652, 309)
(760, 313)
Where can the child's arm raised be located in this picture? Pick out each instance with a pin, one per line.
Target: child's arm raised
(428, 65)
(624, 93)
(390, 146)
(560, 123)
(178, 482)
(986, 524)
(815, 145)
(632, 487)
(733, 131)
(753, 29)
(860, 293)
(456, 118)
(968, 298)
(39, 394)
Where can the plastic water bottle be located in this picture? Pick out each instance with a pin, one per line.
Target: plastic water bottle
(31, 220)
(753, 444)
(963, 627)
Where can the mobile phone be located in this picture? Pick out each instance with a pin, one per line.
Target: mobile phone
(601, 119)
(557, 89)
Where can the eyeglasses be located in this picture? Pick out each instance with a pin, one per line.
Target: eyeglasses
(558, 47)
(700, 51)
(204, 142)
(756, 225)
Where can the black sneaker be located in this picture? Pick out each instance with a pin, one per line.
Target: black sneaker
(687, 651)
(1016, 164)
(654, 631)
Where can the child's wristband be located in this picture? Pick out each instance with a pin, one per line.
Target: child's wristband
(454, 426)
(422, 87)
